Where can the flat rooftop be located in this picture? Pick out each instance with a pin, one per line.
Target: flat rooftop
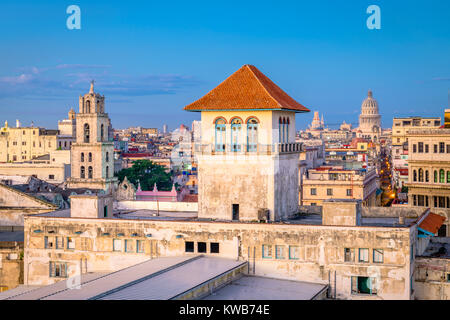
(260, 288)
(155, 279)
(303, 219)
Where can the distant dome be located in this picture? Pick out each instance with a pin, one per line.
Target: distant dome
(369, 105)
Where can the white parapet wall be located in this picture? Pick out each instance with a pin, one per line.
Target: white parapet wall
(163, 206)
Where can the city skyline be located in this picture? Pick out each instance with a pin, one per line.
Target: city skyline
(149, 63)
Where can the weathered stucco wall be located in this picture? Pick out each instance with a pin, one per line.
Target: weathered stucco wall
(163, 206)
(320, 249)
(431, 281)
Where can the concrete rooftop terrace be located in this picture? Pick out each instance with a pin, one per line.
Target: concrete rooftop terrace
(303, 219)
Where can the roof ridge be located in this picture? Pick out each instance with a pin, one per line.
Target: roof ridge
(261, 83)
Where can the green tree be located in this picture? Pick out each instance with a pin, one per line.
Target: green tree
(147, 173)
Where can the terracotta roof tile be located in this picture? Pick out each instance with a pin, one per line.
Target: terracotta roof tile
(247, 88)
(432, 223)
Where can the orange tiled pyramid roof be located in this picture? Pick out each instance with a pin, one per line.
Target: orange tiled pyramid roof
(247, 88)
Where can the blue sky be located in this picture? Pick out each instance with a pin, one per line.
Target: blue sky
(151, 58)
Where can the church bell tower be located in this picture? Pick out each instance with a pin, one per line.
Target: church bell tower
(92, 155)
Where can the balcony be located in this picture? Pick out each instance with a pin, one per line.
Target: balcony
(239, 149)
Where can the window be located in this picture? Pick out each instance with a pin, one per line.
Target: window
(214, 247)
(252, 135)
(101, 132)
(427, 176)
(88, 106)
(59, 243)
(448, 277)
(82, 172)
(139, 246)
(414, 175)
(51, 176)
(236, 125)
(48, 243)
(441, 176)
(329, 192)
(117, 245)
(201, 247)
(427, 148)
(363, 255)
(363, 285)
(349, 255)
(294, 252)
(220, 134)
(70, 243)
(107, 172)
(448, 148)
(107, 156)
(414, 148)
(420, 175)
(128, 246)
(58, 269)
(189, 246)
(441, 147)
(86, 132)
(448, 176)
(105, 211)
(82, 157)
(349, 192)
(313, 191)
(90, 172)
(235, 211)
(279, 252)
(266, 251)
(378, 255)
(435, 176)
(90, 156)
(420, 147)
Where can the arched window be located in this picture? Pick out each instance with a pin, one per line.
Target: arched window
(427, 176)
(82, 173)
(420, 175)
(286, 136)
(414, 175)
(435, 176)
(107, 157)
(220, 134)
(86, 133)
(101, 132)
(236, 125)
(441, 176)
(88, 106)
(107, 171)
(280, 132)
(90, 172)
(90, 157)
(252, 134)
(82, 157)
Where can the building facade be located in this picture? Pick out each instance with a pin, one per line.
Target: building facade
(92, 155)
(429, 170)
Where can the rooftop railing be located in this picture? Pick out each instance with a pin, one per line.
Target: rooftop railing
(276, 148)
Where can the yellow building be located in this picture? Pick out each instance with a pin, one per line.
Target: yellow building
(325, 183)
(429, 170)
(25, 143)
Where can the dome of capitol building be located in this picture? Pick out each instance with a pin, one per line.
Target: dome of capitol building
(370, 119)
